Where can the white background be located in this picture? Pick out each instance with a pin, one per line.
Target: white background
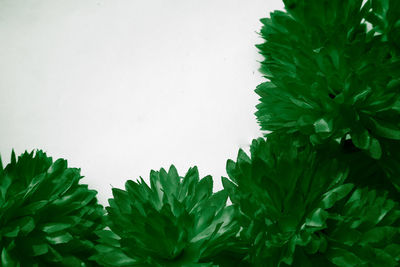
(122, 87)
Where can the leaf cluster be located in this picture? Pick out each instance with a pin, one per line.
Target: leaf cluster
(334, 72)
(322, 190)
(299, 210)
(176, 221)
(46, 217)
(331, 107)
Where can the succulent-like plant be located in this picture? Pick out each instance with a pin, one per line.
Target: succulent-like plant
(297, 210)
(177, 221)
(363, 230)
(334, 72)
(46, 217)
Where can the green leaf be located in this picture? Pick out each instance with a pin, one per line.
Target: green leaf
(27, 224)
(11, 231)
(341, 257)
(379, 234)
(5, 182)
(6, 260)
(55, 227)
(387, 130)
(59, 239)
(375, 149)
(230, 187)
(40, 249)
(203, 189)
(317, 219)
(336, 194)
(361, 138)
(323, 126)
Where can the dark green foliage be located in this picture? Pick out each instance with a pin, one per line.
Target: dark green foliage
(322, 190)
(177, 221)
(334, 71)
(382, 175)
(46, 217)
(299, 210)
(364, 230)
(385, 19)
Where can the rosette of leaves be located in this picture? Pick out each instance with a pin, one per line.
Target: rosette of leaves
(334, 72)
(176, 221)
(46, 217)
(297, 209)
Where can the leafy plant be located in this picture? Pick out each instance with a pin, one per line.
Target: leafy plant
(177, 221)
(46, 217)
(334, 72)
(322, 190)
(297, 209)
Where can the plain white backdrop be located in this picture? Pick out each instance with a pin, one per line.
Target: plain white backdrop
(121, 87)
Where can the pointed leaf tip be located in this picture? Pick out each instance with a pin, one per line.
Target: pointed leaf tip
(13, 157)
(172, 170)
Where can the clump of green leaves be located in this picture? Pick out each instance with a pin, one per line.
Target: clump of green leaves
(176, 221)
(363, 230)
(334, 72)
(297, 209)
(46, 217)
(323, 190)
